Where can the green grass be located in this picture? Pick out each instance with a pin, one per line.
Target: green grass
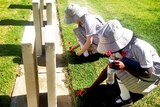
(141, 16)
(14, 16)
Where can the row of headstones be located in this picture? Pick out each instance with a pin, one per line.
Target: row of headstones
(32, 47)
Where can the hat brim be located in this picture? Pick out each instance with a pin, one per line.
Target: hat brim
(72, 19)
(117, 45)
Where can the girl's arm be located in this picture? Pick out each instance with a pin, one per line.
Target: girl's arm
(86, 45)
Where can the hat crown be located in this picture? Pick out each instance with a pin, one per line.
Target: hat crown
(72, 9)
(113, 31)
(113, 37)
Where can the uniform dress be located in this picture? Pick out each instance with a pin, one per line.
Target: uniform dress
(90, 24)
(146, 55)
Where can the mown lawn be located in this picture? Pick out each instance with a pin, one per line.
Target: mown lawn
(141, 16)
(13, 17)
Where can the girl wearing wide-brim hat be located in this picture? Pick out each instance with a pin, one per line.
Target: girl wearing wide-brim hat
(88, 25)
(140, 72)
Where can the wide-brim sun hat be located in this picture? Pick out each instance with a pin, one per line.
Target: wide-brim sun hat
(74, 12)
(113, 37)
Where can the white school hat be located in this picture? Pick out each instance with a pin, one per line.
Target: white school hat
(74, 12)
(113, 37)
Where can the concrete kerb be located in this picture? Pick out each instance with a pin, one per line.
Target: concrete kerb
(63, 93)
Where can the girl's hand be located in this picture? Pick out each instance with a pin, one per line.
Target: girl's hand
(79, 53)
(118, 65)
(71, 49)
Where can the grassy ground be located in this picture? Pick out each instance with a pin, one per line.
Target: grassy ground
(13, 18)
(141, 16)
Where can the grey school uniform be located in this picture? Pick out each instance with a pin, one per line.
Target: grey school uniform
(90, 24)
(147, 56)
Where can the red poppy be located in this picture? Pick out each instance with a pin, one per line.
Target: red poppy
(79, 92)
(108, 53)
(124, 53)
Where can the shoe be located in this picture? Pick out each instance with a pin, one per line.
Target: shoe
(127, 103)
(123, 103)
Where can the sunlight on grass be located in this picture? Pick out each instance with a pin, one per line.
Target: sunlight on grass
(11, 27)
(141, 16)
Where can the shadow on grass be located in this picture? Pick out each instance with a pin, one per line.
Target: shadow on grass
(4, 100)
(74, 59)
(104, 96)
(19, 6)
(15, 22)
(11, 50)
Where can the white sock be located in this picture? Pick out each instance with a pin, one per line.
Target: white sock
(124, 91)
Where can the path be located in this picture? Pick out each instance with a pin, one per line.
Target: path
(63, 98)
